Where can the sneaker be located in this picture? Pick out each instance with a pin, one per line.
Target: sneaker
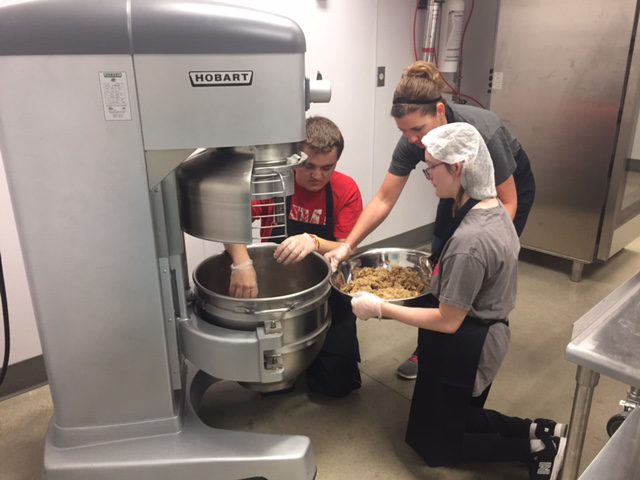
(409, 368)
(547, 463)
(544, 428)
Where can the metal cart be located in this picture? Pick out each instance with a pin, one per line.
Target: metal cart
(606, 340)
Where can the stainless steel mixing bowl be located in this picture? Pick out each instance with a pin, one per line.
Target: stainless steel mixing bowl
(294, 296)
(386, 258)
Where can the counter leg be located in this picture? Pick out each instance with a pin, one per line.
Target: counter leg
(586, 381)
(576, 271)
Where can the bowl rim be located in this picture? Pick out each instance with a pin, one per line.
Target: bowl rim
(378, 250)
(198, 286)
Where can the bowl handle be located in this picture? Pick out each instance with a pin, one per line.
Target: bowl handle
(251, 311)
(425, 265)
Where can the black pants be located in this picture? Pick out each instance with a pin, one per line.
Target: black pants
(491, 436)
(335, 371)
(461, 430)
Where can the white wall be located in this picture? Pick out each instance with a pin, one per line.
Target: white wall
(417, 204)
(346, 41)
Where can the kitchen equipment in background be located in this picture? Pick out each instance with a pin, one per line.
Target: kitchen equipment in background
(385, 258)
(629, 405)
(452, 27)
(604, 341)
(574, 108)
(618, 458)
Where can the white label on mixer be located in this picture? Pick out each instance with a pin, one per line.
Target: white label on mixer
(115, 96)
(498, 80)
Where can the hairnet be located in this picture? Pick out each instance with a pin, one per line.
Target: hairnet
(460, 142)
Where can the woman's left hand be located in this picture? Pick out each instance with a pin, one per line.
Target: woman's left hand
(295, 248)
(366, 305)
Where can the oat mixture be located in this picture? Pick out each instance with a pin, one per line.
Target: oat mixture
(399, 282)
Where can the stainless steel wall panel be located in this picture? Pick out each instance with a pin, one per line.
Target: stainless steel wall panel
(619, 225)
(563, 65)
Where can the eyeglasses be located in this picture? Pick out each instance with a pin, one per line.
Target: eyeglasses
(427, 171)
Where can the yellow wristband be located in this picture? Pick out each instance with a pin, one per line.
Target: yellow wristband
(317, 239)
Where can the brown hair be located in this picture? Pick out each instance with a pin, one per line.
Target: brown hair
(420, 81)
(323, 135)
(457, 202)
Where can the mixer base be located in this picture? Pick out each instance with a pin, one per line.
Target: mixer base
(196, 452)
(269, 387)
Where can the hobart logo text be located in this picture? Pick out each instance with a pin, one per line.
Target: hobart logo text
(233, 78)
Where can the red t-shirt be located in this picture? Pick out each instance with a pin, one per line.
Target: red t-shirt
(310, 207)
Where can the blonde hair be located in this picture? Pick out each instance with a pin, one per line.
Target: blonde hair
(420, 82)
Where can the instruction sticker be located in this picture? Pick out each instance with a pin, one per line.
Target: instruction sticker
(115, 96)
(498, 80)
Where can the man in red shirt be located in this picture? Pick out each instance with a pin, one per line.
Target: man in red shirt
(320, 214)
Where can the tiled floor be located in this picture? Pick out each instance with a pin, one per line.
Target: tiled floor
(362, 436)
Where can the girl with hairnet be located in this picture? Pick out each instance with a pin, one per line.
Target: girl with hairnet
(465, 336)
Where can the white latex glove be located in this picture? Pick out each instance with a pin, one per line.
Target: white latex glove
(295, 248)
(338, 255)
(243, 282)
(366, 305)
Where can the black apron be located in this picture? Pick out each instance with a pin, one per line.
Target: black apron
(334, 371)
(444, 387)
(443, 391)
(446, 226)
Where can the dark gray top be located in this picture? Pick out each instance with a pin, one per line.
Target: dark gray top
(479, 264)
(71, 27)
(502, 146)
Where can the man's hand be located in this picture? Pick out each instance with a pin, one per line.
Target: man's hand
(337, 255)
(295, 248)
(366, 305)
(243, 282)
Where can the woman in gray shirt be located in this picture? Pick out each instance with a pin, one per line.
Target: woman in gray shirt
(464, 338)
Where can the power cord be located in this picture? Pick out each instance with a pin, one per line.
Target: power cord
(7, 332)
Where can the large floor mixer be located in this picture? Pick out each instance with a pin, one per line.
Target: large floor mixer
(100, 103)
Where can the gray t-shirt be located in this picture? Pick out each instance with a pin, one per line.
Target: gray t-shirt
(478, 272)
(502, 146)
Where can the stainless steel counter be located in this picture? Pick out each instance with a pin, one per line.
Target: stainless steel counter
(606, 340)
(620, 457)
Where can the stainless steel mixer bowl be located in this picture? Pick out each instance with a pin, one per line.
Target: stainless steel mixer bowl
(385, 258)
(295, 296)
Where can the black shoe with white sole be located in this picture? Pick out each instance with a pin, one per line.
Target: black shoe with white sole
(545, 428)
(547, 463)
